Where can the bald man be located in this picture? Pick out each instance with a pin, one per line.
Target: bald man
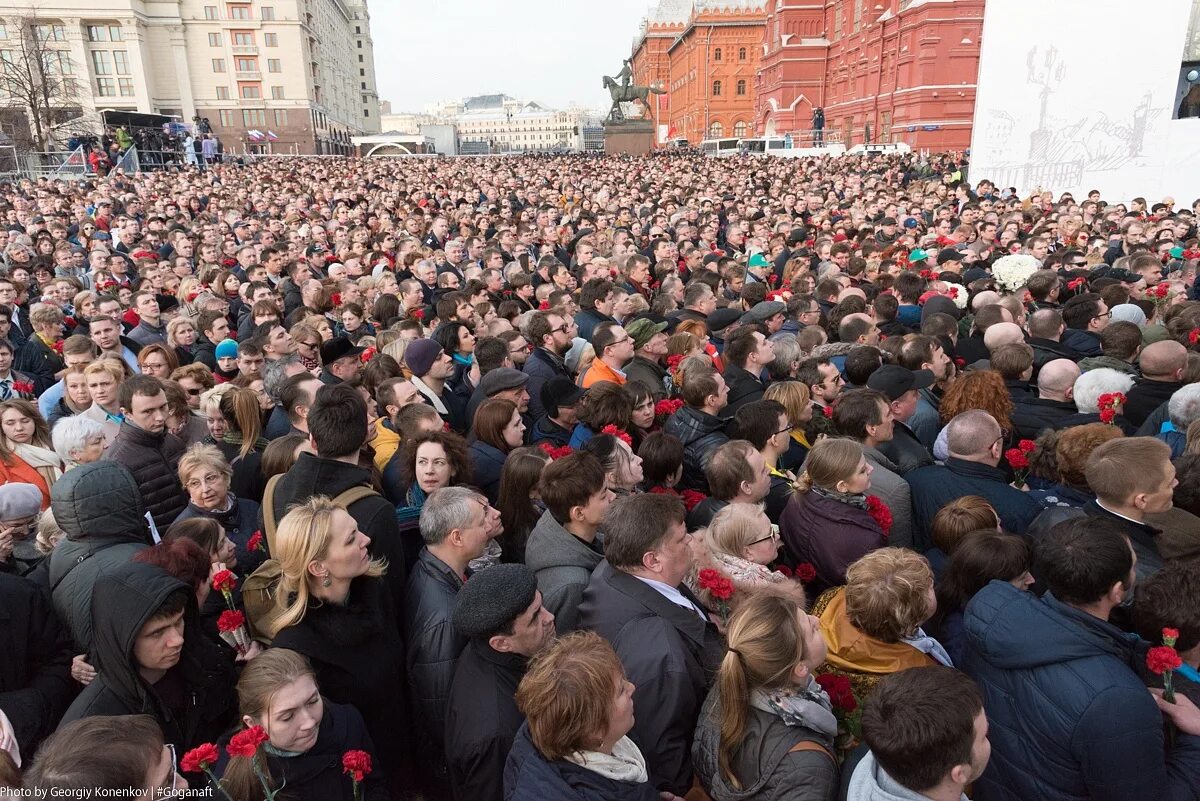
(1046, 328)
(975, 444)
(1001, 334)
(1054, 404)
(1162, 365)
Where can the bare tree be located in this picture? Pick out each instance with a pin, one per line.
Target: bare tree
(36, 75)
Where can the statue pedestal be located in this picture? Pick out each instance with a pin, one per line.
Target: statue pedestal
(632, 137)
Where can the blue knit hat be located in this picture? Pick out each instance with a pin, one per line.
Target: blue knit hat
(226, 349)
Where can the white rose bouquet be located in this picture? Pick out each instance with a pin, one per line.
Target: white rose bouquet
(1012, 271)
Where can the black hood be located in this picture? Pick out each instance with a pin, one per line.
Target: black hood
(98, 501)
(316, 476)
(122, 602)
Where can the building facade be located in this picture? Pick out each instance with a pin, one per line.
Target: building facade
(882, 70)
(705, 53)
(499, 123)
(299, 72)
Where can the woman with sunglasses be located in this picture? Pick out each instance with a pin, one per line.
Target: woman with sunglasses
(308, 346)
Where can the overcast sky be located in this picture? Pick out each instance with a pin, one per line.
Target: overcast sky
(550, 51)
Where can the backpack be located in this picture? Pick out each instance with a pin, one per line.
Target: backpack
(259, 598)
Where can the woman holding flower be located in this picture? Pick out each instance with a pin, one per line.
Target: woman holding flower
(26, 451)
(740, 543)
(767, 730)
(206, 477)
(307, 737)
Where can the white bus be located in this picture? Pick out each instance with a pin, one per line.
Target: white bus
(720, 147)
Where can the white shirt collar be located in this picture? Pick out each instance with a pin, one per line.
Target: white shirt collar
(673, 595)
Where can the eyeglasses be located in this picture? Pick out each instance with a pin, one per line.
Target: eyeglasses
(773, 535)
(786, 430)
(169, 790)
(195, 392)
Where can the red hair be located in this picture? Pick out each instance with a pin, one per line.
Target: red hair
(181, 558)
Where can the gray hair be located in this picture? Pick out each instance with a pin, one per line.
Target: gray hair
(275, 374)
(1184, 407)
(70, 435)
(1094, 383)
(971, 433)
(787, 354)
(446, 509)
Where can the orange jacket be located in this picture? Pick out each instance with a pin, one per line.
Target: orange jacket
(600, 371)
(21, 472)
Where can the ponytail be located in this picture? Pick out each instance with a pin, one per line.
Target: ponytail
(735, 701)
(803, 483)
(240, 409)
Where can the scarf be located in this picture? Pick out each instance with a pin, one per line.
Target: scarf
(807, 706)
(928, 645)
(309, 364)
(44, 460)
(625, 764)
(855, 499)
(743, 571)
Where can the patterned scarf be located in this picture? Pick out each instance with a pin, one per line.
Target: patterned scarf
(855, 499)
(808, 706)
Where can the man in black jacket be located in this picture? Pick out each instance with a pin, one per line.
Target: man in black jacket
(213, 327)
(697, 425)
(747, 354)
(149, 450)
(670, 648)
(1162, 365)
(1054, 404)
(500, 612)
(551, 336)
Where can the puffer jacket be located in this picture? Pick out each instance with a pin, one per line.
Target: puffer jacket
(701, 435)
(563, 564)
(766, 767)
(433, 644)
(154, 461)
(123, 602)
(1069, 717)
(100, 509)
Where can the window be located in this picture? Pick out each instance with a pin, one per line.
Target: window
(360, 44)
(58, 62)
(268, 13)
(214, 40)
(126, 85)
(101, 64)
(226, 118)
(3, 31)
(740, 128)
(245, 64)
(50, 33)
(97, 33)
(121, 61)
(741, 54)
(716, 90)
(358, 29)
(717, 54)
(114, 33)
(741, 87)
(281, 117)
(238, 12)
(222, 93)
(363, 73)
(210, 12)
(274, 65)
(271, 39)
(277, 93)
(716, 130)
(243, 38)
(218, 65)
(250, 91)
(254, 116)
(105, 87)
(366, 112)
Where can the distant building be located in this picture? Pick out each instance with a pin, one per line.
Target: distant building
(593, 137)
(883, 71)
(499, 123)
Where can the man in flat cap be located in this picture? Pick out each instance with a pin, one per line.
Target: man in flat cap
(500, 612)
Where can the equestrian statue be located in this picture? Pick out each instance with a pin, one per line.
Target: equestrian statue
(621, 89)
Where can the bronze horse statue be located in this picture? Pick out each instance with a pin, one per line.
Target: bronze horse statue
(628, 94)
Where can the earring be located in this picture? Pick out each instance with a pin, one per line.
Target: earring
(326, 581)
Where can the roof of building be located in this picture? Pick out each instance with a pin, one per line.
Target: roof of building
(482, 102)
(671, 11)
(732, 5)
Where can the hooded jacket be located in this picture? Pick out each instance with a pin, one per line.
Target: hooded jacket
(701, 435)
(1069, 716)
(871, 782)
(154, 461)
(100, 509)
(563, 563)
(529, 776)
(764, 763)
(201, 682)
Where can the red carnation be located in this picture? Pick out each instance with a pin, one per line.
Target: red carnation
(841, 695)
(805, 572)
(1027, 445)
(692, 498)
(1162, 290)
(1162, 658)
(224, 581)
(1076, 283)
(880, 512)
(200, 758)
(1170, 636)
(417, 314)
(785, 571)
(544, 306)
(367, 355)
(667, 407)
(1194, 336)
(1016, 458)
(827, 411)
(256, 542)
(357, 764)
(960, 361)
(718, 586)
(336, 299)
(58, 347)
(618, 433)
(246, 742)
(1107, 416)
(230, 620)
(22, 387)
(555, 453)
(673, 361)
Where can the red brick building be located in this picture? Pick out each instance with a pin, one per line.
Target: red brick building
(705, 53)
(883, 70)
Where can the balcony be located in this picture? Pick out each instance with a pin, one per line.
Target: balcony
(245, 50)
(254, 75)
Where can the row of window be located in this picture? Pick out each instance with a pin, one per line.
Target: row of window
(243, 64)
(105, 62)
(250, 91)
(717, 54)
(716, 130)
(243, 39)
(107, 87)
(238, 11)
(741, 88)
(252, 117)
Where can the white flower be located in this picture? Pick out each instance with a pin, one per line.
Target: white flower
(957, 294)
(1012, 271)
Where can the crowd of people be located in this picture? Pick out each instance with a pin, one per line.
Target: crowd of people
(584, 477)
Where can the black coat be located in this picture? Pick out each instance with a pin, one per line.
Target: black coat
(248, 480)
(481, 721)
(154, 461)
(1145, 396)
(487, 463)
(744, 387)
(669, 653)
(35, 662)
(204, 352)
(701, 435)
(316, 775)
(529, 776)
(37, 360)
(541, 366)
(194, 702)
(359, 659)
(1032, 415)
(376, 517)
(1047, 350)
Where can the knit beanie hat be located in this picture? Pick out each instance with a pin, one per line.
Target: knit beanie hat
(226, 349)
(420, 356)
(492, 599)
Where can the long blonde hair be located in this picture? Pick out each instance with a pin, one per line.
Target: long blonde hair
(304, 536)
(831, 460)
(765, 646)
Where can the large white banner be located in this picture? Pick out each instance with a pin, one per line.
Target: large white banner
(1077, 95)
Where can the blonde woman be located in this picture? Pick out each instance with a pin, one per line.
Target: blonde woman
(739, 543)
(333, 607)
(767, 729)
(797, 403)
